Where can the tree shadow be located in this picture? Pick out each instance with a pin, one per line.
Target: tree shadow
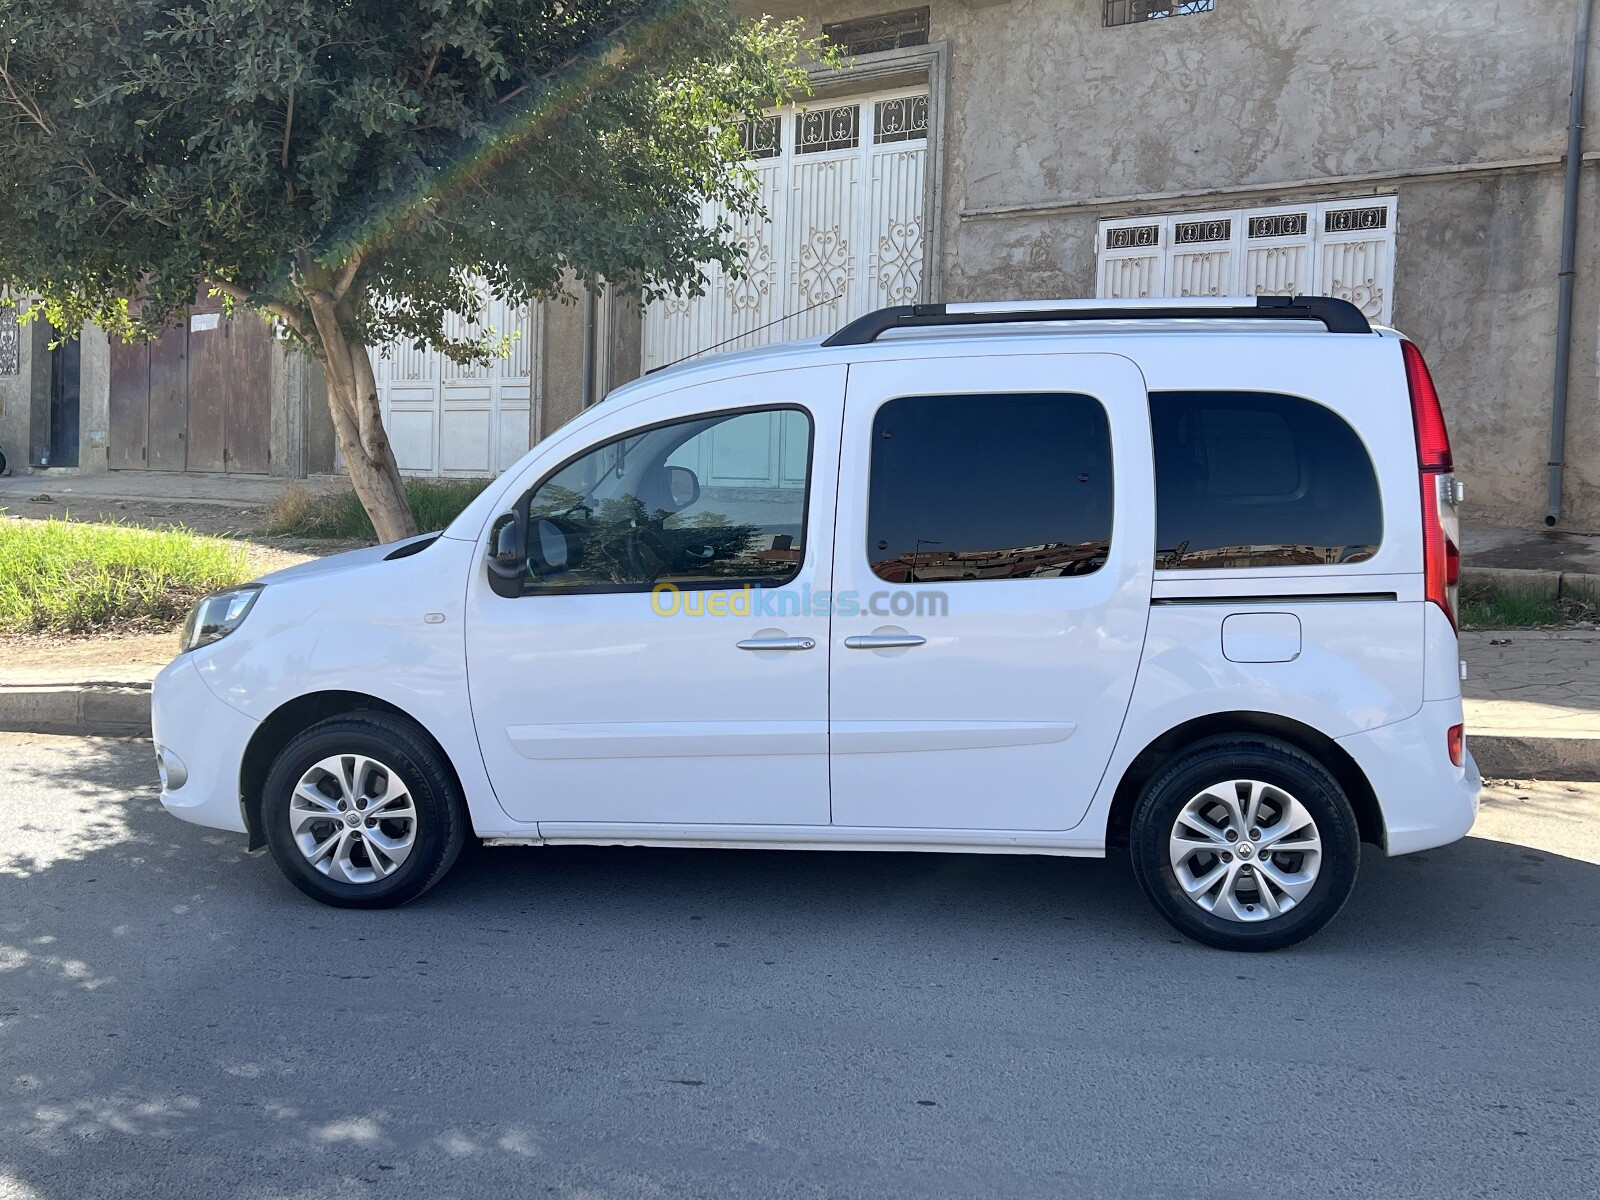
(177, 1020)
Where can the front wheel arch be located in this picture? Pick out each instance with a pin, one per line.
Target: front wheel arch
(291, 718)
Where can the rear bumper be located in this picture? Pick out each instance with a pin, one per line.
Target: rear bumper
(1426, 800)
(206, 739)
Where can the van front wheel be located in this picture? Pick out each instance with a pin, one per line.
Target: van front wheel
(361, 811)
(1245, 843)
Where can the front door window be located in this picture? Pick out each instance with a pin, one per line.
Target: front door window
(716, 502)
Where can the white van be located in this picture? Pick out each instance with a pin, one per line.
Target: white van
(1171, 577)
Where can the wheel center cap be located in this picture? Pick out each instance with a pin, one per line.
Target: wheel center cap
(1245, 850)
(352, 819)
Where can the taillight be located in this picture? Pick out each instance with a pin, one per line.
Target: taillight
(1433, 442)
(1455, 741)
(1441, 530)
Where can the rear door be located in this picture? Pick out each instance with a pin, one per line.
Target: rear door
(993, 560)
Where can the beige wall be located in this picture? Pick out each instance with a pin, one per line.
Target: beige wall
(16, 403)
(94, 399)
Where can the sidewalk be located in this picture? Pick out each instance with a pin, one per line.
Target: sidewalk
(1484, 546)
(166, 487)
(99, 687)
(1533, 702)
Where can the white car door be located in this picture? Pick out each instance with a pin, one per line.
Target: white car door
(600, 695)
(992, 566)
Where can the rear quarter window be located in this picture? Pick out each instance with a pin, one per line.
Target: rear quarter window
(1259, 479)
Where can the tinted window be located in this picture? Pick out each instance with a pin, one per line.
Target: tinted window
(989, 487)
(714, 502)
(1255, 479)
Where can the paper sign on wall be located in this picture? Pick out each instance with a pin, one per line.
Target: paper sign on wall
(199, 321)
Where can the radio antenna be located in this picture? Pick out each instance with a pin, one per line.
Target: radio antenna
(739, 337)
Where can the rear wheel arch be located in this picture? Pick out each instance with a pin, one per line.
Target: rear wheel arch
(290, 719)
(1334, 758)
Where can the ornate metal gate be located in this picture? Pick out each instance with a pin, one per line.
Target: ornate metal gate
(844, 189)
(1342, 248)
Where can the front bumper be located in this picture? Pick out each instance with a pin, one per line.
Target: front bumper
(205, 739)
(1426, 800)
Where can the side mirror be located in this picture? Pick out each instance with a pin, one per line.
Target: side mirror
(550, 550)
(683, 486)
(508, 554)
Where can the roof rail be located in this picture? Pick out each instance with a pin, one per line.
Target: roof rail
(1338, 316)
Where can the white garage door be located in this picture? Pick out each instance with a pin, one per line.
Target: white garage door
(445, 419)
(844, 189)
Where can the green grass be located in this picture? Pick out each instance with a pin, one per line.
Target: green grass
(435, 502)
(1490, 606)
(66, 577)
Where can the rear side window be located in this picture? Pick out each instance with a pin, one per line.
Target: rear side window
(1257, 479)
(989, 487)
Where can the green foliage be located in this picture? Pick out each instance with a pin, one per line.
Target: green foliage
(1491, 606)
(434, 503)
(64, 577)
(378, 155)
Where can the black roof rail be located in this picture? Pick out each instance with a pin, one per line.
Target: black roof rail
(1338, 316)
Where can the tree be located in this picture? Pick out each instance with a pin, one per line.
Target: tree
(358, 170)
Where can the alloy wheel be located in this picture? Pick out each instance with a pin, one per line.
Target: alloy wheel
(1245, 850)
(353, 818)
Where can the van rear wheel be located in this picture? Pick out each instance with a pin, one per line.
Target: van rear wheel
(1245, 843)
(361, 811)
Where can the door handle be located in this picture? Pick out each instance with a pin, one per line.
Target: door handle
(778, 643)
(883, 641)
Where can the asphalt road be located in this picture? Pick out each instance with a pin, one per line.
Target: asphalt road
(175, 1021)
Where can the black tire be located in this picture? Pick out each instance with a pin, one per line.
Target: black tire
(1281, 766)
(440, 825)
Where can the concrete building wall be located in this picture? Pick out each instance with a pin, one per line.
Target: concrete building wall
(94, 400)
(25, 399)
(559, 397)
(1053, 122)
(16, 402)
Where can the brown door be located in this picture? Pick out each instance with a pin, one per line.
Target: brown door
(209, 371)
(169, 401)
(130, 404)
(230, 391)
(249, 394)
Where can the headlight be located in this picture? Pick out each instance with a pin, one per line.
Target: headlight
(217, 615)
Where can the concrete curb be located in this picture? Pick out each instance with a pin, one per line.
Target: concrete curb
(81, 709)
(1517, 756)
(1552, 584)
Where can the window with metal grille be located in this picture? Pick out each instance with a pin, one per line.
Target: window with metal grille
(904, 119)
(763, 138)
(819, 129)
(1132, 12)
(887, 31)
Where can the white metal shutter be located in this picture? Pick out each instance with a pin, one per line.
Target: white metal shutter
(843, 185)
(1340, 248)
(445, 419)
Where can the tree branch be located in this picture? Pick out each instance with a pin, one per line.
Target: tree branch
(346, 277)
(294, 320)
(34, 112)
(288, 124)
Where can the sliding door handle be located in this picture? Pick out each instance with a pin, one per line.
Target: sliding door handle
(883, 641)
(778, 643)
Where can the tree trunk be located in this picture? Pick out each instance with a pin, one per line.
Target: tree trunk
(358, 424)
